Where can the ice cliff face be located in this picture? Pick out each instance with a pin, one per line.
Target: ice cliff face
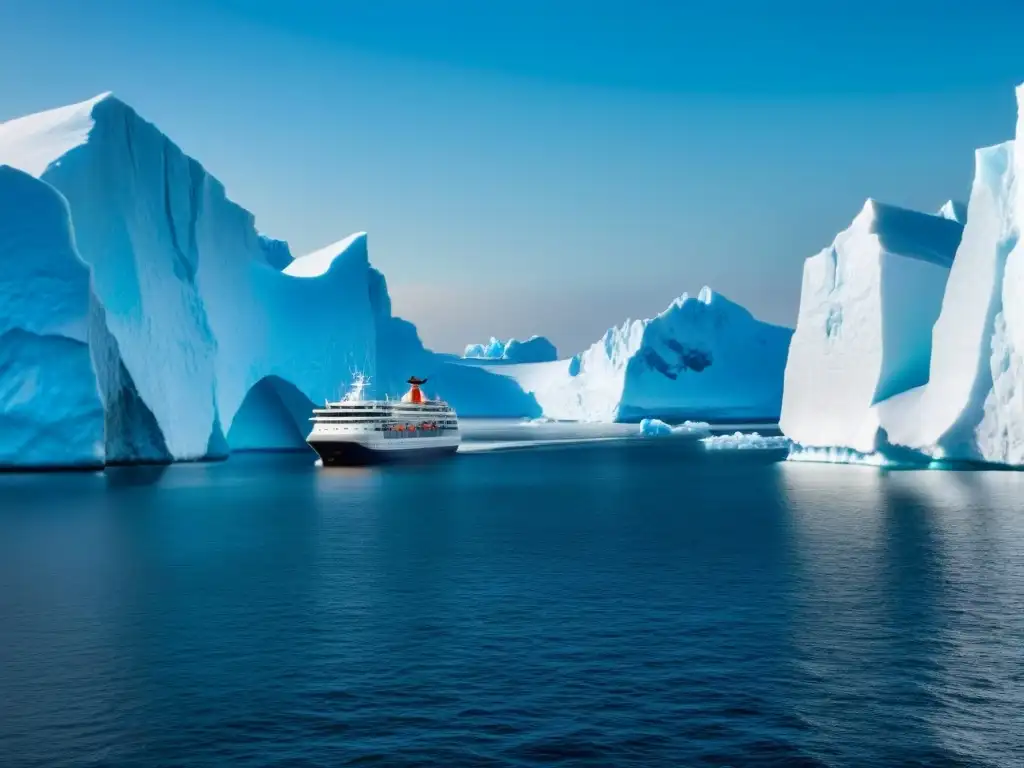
(535, 349)
(970, 404)
(44, 346)
(194, 296)
(65, 397)
(144, 317)
(867, 307)
(192, 312)
(703, 357)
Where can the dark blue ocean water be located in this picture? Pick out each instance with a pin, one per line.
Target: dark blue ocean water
(616, 604)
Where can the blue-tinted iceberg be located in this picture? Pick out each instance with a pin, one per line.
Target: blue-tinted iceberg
(189, 330)
(44, 333)
(658, 428)
(535, 349)
(66, 398)
(198, 311)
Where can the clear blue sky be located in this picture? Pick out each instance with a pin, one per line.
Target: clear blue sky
(548, 167)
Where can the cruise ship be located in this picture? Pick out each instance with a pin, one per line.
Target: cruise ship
(356, 431)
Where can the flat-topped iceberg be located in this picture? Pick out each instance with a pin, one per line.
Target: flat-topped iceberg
(959, 395)
(864, 331)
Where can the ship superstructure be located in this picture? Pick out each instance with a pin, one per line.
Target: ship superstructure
(355, 430)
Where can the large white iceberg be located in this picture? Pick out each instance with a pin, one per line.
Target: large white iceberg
(192, 333)
(702, 358)
(969, 405)
(863, 334)
(972, 407)
(207, 334)
(199, 313)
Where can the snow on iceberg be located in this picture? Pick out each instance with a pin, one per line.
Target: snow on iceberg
(864, 330)
(954, 210)
(746, 441)
(702, 358)
(536, 349)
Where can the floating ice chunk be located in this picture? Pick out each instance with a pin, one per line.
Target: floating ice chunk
(658, 428)
(654, 428)
(746, 441)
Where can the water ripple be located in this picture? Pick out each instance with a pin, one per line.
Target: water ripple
(614, 605)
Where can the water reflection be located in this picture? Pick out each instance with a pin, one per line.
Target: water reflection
(647, 601)
(976, 683)
(57, 571)
(912, 588)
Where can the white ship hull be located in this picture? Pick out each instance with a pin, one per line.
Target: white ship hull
(349, 450)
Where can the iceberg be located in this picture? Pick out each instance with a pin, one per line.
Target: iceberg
(44, 345)
(170, 327)
(969, 403)
(535, 349)
(972, 408)
(65, 397)
(492, 350)
(658, 428)
(704, 357)
(199, 313)
(864, 329)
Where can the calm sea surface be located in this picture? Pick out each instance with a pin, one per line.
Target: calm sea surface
(614, 604)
